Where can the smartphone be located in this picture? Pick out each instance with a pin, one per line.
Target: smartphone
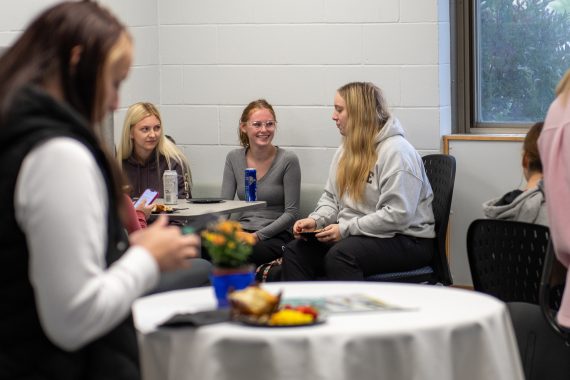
(149, 195)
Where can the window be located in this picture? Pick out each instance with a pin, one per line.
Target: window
(508, 57)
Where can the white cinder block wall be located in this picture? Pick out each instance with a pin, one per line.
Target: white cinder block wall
(203, 61)
(216, 56)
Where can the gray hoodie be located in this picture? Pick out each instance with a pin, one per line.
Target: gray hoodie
(529, 207)
(397, 197)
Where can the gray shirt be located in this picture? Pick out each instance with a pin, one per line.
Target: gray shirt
(528, 207)
(280, 187)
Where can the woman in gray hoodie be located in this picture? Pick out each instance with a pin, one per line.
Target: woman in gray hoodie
(375, 215)
(526, 205)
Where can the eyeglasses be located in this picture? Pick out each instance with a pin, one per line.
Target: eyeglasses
(268, 124)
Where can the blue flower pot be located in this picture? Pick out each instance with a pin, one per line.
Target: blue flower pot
(225, 281)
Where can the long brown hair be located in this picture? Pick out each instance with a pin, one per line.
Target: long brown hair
(44, 51)
(367, 114)
(530, 148)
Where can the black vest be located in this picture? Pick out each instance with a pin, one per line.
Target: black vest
(25, 351)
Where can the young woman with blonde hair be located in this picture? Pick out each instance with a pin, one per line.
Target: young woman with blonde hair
(145, 152)
(375, 215)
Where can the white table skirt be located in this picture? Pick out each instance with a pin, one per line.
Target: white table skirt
(451, 334)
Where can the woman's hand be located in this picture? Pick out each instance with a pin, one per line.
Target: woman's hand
(144, 208)
(254, 235)
(301, 225)
(167, 245)
(329, 234)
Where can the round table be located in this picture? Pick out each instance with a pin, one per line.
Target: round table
(445, 334)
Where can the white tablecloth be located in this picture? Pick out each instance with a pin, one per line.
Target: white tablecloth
(451, 334)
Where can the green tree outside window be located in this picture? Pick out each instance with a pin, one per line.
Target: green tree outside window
(523, 51)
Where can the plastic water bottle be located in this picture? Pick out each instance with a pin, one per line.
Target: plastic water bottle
(170, 183)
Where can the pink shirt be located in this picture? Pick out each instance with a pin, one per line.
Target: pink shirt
(554, 147)
(135, 219)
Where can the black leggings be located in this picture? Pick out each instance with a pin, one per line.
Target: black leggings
(264, 251)
(268, 250)
(354, 258)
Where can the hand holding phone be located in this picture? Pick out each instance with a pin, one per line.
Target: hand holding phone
(148, 195)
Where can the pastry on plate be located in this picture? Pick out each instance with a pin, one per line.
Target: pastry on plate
(253, 300)
(158, 208)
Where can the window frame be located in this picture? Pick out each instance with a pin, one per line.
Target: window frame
(463, 17)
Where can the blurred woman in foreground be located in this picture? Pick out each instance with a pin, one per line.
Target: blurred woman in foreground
(68, 275)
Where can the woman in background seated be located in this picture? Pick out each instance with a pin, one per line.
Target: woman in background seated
(375, 214)
(529, 205)
(278, 181)
(145, 153)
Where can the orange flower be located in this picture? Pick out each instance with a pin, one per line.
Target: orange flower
(228, 245)
(228, 227)
(245, 237)
(215, 238)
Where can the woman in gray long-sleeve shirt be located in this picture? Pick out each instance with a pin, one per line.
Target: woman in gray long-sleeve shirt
(278, 182)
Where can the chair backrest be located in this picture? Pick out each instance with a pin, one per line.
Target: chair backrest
(506, 258)
(552, 283)
(440, 170)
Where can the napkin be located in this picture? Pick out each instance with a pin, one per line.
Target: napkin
(197, 319)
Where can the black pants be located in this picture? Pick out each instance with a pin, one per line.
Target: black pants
(268, 250)
(264, 251)
(544, 355)
(354, 258)
(195, 276)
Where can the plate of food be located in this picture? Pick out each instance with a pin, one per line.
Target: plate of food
(205, 200)
(284, 318)
(310, 234)
(162, 209)
(256, 307)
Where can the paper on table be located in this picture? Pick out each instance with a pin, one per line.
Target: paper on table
(343, 303)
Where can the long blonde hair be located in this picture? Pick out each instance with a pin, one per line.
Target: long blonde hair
(165, 147)
(367, 114)
(563, 87)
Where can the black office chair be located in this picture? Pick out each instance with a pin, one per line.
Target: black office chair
(543, 346)
(440, 170)
(552, 285)
(506, 258)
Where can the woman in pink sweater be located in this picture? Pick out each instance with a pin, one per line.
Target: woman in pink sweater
(134, 219)
(554, 146)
